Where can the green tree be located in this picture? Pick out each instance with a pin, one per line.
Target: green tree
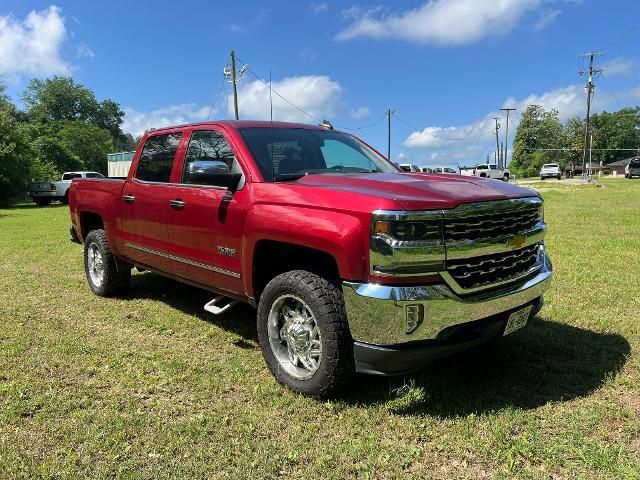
(61, 99)
(88, 143)
(538, 131)
(14, 164)
(617, 130)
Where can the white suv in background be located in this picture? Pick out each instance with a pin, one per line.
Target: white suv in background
(550, 170)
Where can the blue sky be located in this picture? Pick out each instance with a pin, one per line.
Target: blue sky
(444, 66)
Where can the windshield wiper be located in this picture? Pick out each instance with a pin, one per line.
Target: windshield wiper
(288, 177)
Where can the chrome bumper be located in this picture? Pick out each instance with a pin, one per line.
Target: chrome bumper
(391, 315)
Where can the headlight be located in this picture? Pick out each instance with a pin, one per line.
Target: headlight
(541, 212)
(406, 243)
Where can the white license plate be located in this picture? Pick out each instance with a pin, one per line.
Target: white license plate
(517, 320)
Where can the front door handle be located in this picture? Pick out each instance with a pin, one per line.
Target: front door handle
(177, 204)
(128, 198)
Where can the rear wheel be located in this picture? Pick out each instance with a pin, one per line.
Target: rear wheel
(106, 277)
(505, 177)
(42, 201)
(304, 334)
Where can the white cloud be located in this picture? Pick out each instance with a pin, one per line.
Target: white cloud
(33, 46)
(618, 66)
(317, 95)
(469, 143)
(136, 122)
(250, 25)
(547, 17)
(82, 51)
(360, 112)
(319, 7)
(440, 22)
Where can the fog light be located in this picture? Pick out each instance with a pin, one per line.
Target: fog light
(414, 314)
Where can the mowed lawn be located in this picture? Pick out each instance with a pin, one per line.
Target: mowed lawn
(151, 386)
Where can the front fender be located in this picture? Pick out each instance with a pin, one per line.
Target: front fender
(342, 235)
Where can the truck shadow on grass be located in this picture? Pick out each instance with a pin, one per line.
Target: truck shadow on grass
(545, 362)
(240, 320)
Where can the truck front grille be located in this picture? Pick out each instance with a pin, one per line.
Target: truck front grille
(492, 222)
(477, 272)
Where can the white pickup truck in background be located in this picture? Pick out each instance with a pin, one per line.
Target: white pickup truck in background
(487, 171)
(43, 193)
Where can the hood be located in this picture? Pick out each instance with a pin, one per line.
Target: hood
(419, 191)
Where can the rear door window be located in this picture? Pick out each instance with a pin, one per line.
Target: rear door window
(156, 159)
(71, 176)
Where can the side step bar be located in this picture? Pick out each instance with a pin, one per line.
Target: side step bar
(214, 307)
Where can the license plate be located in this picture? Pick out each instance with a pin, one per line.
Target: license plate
(517, 320)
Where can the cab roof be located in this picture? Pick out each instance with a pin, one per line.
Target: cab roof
(236, 124)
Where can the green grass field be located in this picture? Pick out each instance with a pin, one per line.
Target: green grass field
(151, 386)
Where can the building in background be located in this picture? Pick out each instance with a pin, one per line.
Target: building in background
(118, 164)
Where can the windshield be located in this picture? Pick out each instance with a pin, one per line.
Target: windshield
(290, 153)
(550, 165)
(635, 163)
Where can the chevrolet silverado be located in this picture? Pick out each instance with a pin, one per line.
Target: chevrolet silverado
(352, 265)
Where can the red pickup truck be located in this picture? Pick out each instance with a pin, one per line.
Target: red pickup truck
(353, 265)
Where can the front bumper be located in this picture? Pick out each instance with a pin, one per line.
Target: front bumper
(391, 318)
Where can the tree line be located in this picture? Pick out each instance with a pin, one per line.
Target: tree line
(62, 127)
(542, 138)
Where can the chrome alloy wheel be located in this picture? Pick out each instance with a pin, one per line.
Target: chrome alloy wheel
(95, 264)
(294, 337)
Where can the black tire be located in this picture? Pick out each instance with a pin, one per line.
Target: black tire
(325, 302)
(115, 276)
(65, 199)
(42, 201)
(505, 177)
(542, 179)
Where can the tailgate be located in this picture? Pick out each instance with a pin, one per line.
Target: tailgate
(40, 187)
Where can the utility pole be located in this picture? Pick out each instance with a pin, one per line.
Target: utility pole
(235, 84)
(497, 143)
(389, 134)
(589, 87)
(506, 138)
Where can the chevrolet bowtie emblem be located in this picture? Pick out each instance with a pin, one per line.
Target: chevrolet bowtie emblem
(516, 241)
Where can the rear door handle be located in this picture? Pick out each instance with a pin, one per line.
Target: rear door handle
(128, 198)
(177, 204)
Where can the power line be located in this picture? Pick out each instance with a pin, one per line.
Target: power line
(215, 100)
(590, 88)
(369, 125)
(278, 93)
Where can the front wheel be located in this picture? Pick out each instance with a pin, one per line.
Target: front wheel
(105, 276)
(304, 334)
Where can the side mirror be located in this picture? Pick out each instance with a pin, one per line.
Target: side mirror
(212, 172)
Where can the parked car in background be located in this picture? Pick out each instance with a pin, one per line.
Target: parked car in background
(430, 168)
(492, 171)
(408, 167)
(450, 169)
(632, 169)
(550, 170)
(352, 265)
(43, 193)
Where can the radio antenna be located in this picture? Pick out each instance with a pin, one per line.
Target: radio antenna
(273, 170)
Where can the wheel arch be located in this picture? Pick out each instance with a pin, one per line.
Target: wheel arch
(271, 258)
